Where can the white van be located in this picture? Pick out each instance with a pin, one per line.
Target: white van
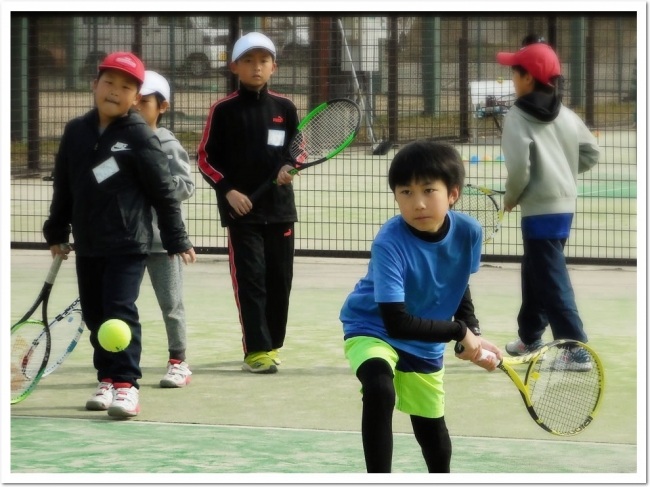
(199, 48)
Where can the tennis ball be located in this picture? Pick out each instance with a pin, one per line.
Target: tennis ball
(114, 335)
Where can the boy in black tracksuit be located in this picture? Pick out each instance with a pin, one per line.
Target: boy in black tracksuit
(245, 143)
(108, 172)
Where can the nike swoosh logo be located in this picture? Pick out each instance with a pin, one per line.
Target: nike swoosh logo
(120, 146)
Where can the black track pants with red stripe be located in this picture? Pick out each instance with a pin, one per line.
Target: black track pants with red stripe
(261, 268)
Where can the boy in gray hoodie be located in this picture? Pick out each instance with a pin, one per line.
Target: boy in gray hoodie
(545, 146)
(167, 273)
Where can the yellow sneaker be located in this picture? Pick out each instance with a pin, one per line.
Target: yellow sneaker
(275, 356)
(259, 363)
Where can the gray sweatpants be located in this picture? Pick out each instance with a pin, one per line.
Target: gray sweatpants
(167, 280)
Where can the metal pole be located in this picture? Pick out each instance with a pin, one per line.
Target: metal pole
(463, 80)
(392, 80)
(431, 65)
(33, 112)
(577, 62)
(172, 70)
(619, 57)
(590, 87)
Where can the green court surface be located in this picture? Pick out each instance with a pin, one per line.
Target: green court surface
(73, 447)
(306, 418)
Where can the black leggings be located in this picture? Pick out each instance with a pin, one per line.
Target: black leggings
(376, 379)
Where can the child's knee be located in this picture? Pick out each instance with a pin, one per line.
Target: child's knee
(376, 378)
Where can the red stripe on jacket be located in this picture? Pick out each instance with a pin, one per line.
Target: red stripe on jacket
(204, 166)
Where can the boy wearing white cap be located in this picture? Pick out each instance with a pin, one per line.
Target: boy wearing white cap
(167, 273)
(245, 143)
(546, 146)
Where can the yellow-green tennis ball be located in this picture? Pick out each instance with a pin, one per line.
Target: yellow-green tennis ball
(114, 335)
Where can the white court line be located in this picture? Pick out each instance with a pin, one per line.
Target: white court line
(310, 430)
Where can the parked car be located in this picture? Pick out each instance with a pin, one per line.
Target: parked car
(289, 34)
(186, 44)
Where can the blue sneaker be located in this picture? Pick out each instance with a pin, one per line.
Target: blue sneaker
(519, 348)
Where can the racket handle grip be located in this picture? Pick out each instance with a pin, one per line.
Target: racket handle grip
(458, 348)
(253, 197)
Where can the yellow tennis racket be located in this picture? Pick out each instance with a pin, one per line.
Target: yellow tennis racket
(563, 386)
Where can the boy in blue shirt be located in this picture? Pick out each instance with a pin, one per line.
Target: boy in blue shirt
(398, 318)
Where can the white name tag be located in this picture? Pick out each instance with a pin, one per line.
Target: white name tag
(106, 169)
(276, 138)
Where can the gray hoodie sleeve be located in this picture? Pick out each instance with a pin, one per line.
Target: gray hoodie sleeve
(589, 150)
(179, 165)
(516, 152)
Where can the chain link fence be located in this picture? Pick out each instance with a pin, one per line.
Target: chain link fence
(421, 77)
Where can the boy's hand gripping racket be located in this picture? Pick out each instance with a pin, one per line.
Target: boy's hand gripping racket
(481, 204)
(563, 386)
(31, 342)
(323, 133)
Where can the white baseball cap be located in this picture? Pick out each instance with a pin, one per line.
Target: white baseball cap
(155, 83)
(253, 40)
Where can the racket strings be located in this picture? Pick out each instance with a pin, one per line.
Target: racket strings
(65, 332)
(27, 355)
(482, 207)
(564, 391)
(325, 132)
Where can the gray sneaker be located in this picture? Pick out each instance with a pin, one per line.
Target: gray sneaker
(518, 348)
(574, 359)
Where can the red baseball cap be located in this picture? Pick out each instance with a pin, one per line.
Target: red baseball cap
(124, 61)
(538, 59)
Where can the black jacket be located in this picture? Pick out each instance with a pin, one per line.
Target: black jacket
(105, 185)
(244, 144)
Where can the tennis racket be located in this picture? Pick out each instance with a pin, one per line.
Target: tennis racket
(481, 203)
(563, 386)
(323, 133)
(31, 342)
(65, 329)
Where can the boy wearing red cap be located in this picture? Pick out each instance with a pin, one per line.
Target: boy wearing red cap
(545, 146)
(245, 143)
(108, 173)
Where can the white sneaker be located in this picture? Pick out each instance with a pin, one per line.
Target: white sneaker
(126, 402)
(178, 374)
(102, 398)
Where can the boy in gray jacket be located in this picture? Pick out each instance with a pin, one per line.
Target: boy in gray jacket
(546, 146)
(167, 273)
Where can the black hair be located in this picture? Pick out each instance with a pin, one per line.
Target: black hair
(159, 99)
(533, 39)
(557, 81)
(427, 161)
(556, 86)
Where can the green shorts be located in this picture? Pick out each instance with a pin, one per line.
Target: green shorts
(419, 394)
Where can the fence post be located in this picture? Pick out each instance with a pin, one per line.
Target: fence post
(431, 65)
(589, 73)
(319, 80)
(392, 80)
(577, 61)
(235, 27)
(136, 48)
(33, 112)
(463, 80)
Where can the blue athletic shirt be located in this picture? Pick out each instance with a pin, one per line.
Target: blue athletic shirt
(429, 277)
